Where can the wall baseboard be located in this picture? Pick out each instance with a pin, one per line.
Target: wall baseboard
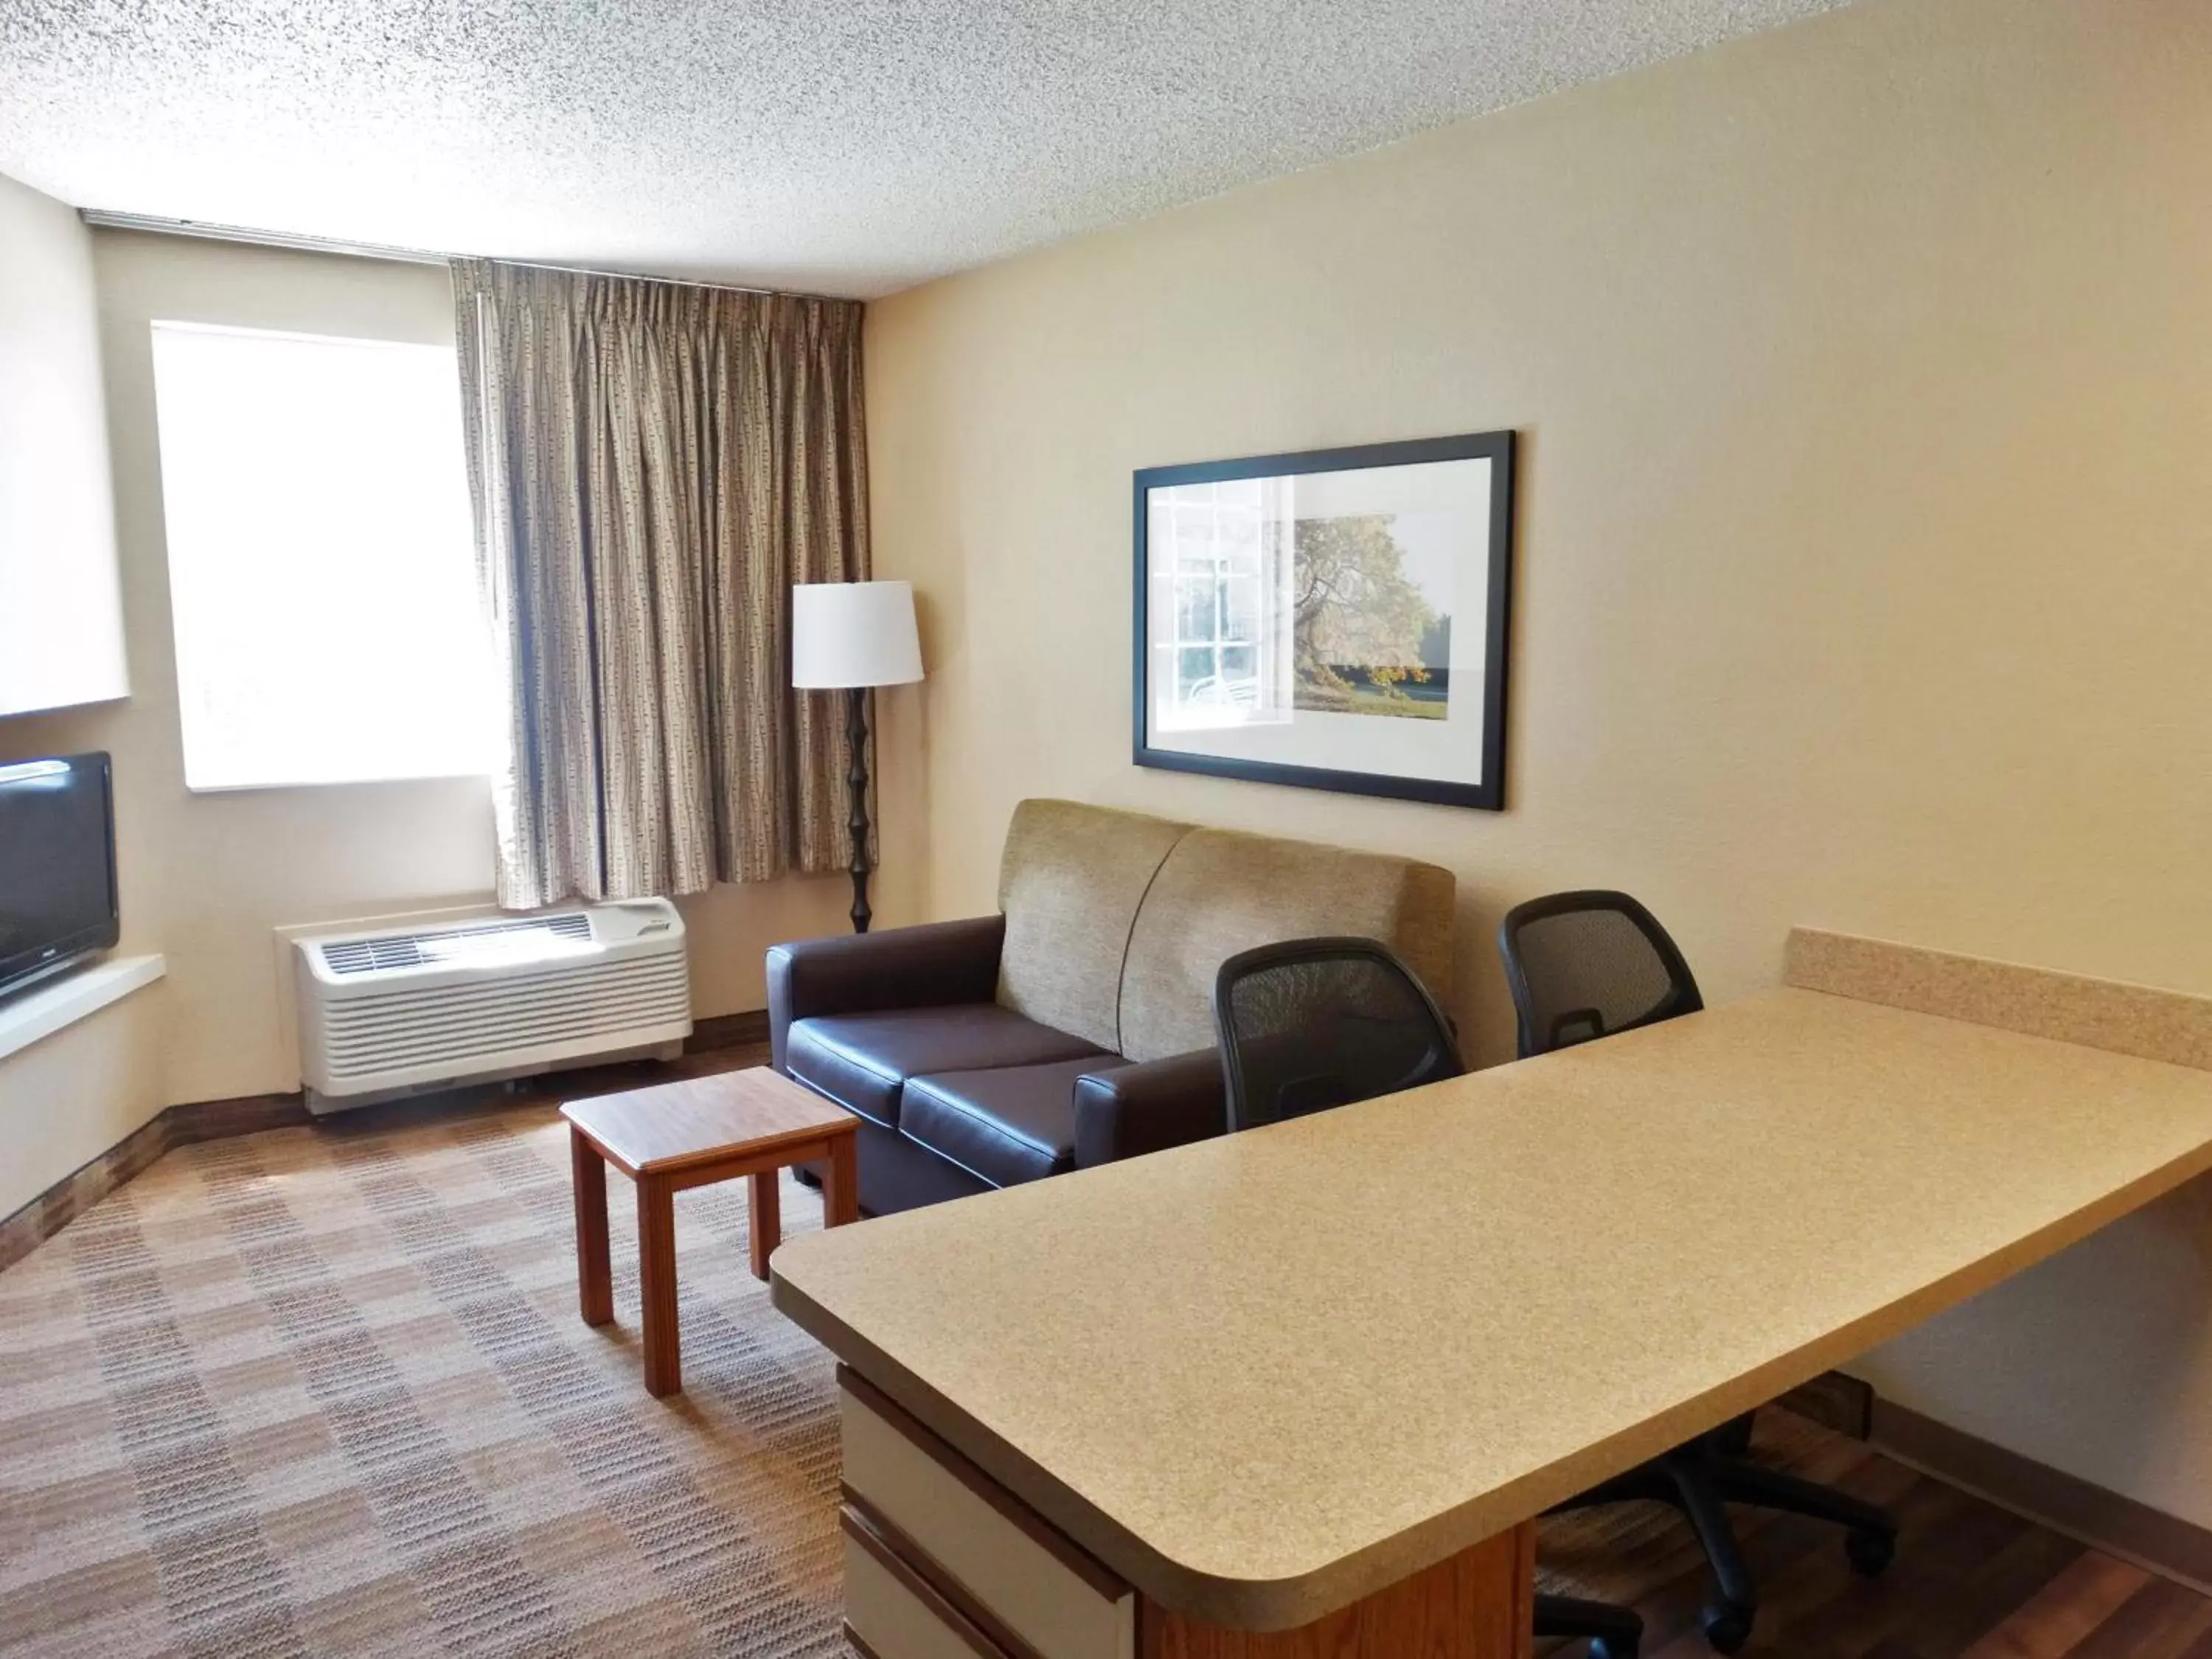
(727, 1031)
(78, 1192)
(2104, 1520)
(1834, 1402)
(218, 1120)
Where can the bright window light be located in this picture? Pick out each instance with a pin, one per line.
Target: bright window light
(321, 562)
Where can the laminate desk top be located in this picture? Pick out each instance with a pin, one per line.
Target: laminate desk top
(1266, 1374)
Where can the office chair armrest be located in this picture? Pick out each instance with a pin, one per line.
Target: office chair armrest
(928, 966)
(1130, 1111)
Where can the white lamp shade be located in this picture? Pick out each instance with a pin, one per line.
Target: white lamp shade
(845, 634)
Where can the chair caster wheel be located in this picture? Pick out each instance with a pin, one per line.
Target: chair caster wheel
(1613, 1647)
(1726, 1625)
(1870, 1553)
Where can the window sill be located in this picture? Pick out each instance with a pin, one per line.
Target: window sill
(479, 776)
(78, 994)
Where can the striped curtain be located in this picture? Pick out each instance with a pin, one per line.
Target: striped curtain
(653, 465)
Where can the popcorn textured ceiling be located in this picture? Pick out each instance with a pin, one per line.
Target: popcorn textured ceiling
(844, 146)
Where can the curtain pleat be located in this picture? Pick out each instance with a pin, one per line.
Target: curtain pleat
(653, 465)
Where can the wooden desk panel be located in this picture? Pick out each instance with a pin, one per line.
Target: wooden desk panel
(1477, 1604)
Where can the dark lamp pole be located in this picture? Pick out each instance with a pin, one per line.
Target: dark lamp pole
(850, 636)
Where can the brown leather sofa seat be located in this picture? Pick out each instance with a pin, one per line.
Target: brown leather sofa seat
(1072, 1028)
(863, 1061)
(1004, 1127)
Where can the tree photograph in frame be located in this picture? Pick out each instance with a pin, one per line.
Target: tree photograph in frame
(1334, 619)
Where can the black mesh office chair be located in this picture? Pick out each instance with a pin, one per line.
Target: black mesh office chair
(1592, 964)
(1318, 1023)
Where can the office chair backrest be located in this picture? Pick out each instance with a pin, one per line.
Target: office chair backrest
(1588, 964)
(1310, 1024)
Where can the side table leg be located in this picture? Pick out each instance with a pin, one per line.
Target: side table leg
(595, 1279)
(841, 1187)
(656, 1250)
(767, 1211)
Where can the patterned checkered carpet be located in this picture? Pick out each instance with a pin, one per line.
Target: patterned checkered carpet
(322, 1391)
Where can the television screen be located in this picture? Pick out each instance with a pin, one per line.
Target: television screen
(56, 866)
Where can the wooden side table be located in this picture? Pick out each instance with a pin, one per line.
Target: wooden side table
(754, 1123)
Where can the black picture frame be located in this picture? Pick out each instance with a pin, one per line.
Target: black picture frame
(1488, 794)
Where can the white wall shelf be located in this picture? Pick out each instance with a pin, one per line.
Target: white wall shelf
(45, 1009)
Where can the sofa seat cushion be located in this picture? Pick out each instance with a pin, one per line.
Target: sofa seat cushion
(1010, 1124)
(863, 1060)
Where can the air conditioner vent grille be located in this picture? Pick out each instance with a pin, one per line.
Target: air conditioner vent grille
(387, 1011)
(452, 946)
(453, 1028)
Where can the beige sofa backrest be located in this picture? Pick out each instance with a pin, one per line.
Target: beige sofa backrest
(1221, 892)
(1070, 881)
(1116, 921)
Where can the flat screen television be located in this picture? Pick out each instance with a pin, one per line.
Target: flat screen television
(56, 866)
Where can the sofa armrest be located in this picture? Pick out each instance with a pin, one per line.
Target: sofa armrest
(1129, 1111)
(938, 962)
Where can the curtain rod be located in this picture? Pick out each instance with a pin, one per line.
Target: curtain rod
(103, 219)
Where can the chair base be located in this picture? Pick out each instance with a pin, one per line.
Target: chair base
(1701, 1479)
(1614, 1632)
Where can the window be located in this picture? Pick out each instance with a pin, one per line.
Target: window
(321, 562)
(1222, 664)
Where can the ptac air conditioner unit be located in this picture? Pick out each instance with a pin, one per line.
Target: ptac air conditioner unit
(397, 1011)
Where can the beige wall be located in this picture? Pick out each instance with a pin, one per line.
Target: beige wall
(1864, 371)
(205, 877)
(61, 623)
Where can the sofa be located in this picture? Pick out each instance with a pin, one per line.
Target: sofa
(1073, 1027)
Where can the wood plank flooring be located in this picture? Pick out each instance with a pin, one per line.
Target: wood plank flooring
(1970, 1581)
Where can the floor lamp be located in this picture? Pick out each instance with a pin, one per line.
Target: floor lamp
(850, 636)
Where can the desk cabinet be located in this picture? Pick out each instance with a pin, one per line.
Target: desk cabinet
(942, 1563)
(940, 1560)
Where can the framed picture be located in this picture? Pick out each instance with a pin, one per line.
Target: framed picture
(1333, 620)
